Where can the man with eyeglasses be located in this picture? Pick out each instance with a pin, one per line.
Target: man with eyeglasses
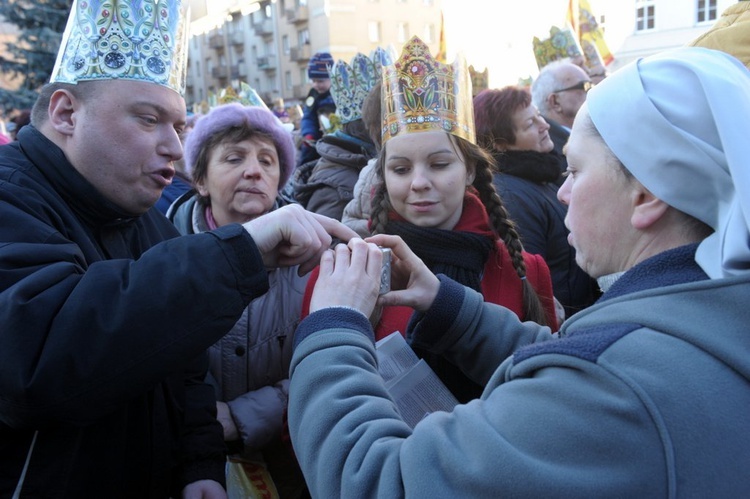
(559, 92)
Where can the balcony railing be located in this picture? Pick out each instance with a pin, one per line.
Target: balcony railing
(266, 62)
(297, 15)
(237, 38)
(300, 53)
(264, 28)
(219, 71)
(216, 41)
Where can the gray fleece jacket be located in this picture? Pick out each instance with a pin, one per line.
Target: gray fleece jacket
(644, 394)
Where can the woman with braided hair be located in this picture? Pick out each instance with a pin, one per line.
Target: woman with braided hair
(435, 191)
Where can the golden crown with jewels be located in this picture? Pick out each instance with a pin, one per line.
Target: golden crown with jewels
(143, 40)
(421, 94)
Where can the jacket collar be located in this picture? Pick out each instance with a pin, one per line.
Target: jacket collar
(83, 198)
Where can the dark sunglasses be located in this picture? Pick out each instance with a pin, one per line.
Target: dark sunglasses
(583, 85)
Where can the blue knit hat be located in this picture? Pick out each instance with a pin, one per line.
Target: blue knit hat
(317, 68)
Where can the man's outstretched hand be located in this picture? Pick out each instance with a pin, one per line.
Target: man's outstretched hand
(292, 236)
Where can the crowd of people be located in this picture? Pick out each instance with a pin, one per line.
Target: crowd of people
(179, 293)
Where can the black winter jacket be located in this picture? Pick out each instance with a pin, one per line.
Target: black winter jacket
(100, 315)
(526, 186)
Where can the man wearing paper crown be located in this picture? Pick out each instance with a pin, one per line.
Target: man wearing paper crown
(326, 185)
(434, 189)
(104, 331)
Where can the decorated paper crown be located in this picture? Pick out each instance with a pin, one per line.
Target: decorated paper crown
(247, 96)
(479, 80)
(561, 44)
(143, 40)
(421, 94)
(382, 57)
(351, 83)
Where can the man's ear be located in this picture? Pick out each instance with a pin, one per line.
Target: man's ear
(647, 208)
(552, 102)
(62, 108)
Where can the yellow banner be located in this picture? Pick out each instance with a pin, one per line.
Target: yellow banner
(582, 20)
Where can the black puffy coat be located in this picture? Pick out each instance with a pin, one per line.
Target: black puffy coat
(526, 185)
(101, 314)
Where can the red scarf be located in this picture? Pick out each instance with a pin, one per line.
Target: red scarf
(500, 282)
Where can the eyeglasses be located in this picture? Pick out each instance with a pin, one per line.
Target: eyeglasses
(583, 85)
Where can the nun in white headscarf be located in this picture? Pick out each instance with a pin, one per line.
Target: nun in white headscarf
(644, 394)
(678, 123)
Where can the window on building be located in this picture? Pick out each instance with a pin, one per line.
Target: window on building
(429, 33)
(285, 44)
(373, 31)
(303, 75)
(403, 32)
(644, 15)
(198, 68)
(288, 84)
(268, 11)
(706, 10)
(303, 37)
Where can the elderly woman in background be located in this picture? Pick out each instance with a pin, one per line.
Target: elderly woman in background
(511, 128)
(238, 157)
(645, 393)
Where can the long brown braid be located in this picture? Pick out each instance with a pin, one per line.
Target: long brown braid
(380, 205)
(502, 225)
(500, 221)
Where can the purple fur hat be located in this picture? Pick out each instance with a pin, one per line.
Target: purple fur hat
(234, 114)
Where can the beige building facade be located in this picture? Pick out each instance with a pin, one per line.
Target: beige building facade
(268, 43)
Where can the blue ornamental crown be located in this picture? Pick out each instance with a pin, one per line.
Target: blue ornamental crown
(142, 40)
(351, 83)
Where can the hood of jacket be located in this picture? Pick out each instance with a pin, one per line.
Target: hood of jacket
(341, 149)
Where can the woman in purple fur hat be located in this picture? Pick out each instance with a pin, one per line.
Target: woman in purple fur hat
(239, 157)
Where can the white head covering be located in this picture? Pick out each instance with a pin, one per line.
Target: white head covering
(679, 122)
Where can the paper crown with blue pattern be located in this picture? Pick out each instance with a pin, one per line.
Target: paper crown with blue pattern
(421, 94)
(144, 40)
(351, 83)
